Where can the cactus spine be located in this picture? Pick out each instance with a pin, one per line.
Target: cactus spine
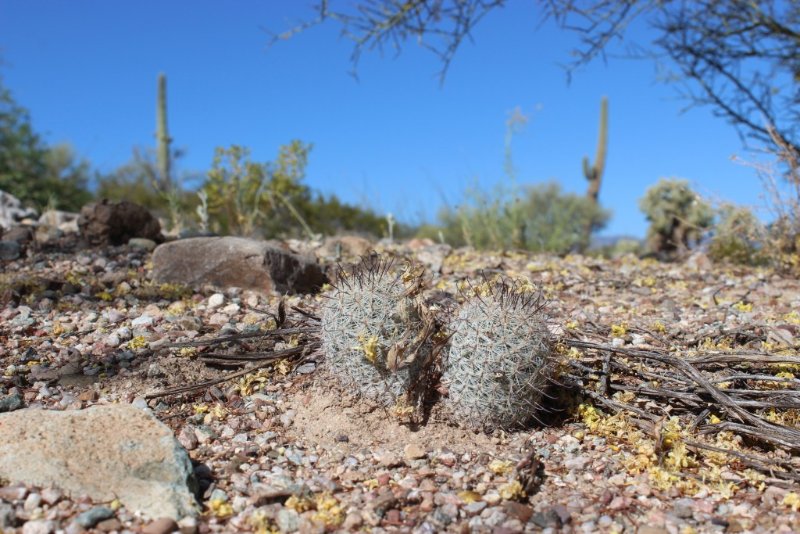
(376, 334)
(162, 135)
(500, 358)
(594, 172)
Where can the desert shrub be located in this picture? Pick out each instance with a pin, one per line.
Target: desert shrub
(739, 237)
(618, 248)
(67, 178)
(138, 181)
(539, 218)
(678, 217)
(328, 215)
(247, 197)
(270, 198)
(780, 179)
(36, 174)
(236, 189)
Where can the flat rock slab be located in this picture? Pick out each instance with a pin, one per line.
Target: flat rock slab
(105, 452)
(236, 262)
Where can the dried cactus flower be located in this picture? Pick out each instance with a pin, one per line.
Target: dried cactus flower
(500, 358)
(376, 332)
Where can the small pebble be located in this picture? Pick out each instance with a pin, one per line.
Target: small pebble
(188, 438)
(9, 403)
(39, 526)
(91, 517)
(188, 525)
(414, 451)
(164, 525)
(32, 502)
(142, 321)
(109, 525)
(215, 301)
(7, 516)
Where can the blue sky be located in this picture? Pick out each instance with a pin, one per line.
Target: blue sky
(395, 138)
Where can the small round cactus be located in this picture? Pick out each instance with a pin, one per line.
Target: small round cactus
(375, 332)
(500, 358)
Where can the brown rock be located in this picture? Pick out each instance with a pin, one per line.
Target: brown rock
(105, 452)
(236, 262)
(414, 451)
(115, 223)
(518, 510)
(164, 525)
(87, 395)
(13, 493)
(108, 525)
(21, 234)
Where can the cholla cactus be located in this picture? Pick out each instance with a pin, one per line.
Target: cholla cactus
(678, 217)
(376, 331)
(500, 358)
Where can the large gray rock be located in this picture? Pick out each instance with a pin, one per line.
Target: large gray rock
(236, 262)
(105, 452)
(115, 223)
(12, 212)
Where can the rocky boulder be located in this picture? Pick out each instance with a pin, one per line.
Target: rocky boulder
(236, 262)
(12, 212)
(15, 242)
(105, 452)
(115, 223)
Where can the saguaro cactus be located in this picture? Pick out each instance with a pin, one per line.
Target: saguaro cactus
(594, 172)
(163, 139)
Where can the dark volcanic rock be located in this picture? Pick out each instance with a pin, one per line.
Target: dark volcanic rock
(115, 223)
(236, 262)
(10, 250)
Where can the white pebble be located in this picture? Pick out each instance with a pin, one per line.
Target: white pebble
(215, 301)
(142, 320)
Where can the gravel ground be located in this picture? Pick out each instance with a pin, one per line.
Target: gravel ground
(286, 450)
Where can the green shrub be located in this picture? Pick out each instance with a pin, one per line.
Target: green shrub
(739, 237)
(138, 181)
(37, 175)
(328, 215)
(539, 218)
(678, 217)
(237, 191)
(619, 248)
(270, 198)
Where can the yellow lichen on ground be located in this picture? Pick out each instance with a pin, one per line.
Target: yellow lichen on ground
(665, 457)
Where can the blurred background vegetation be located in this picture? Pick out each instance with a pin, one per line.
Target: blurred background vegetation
(270, 199)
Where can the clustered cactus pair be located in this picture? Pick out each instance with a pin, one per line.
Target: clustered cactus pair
(493, 354)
